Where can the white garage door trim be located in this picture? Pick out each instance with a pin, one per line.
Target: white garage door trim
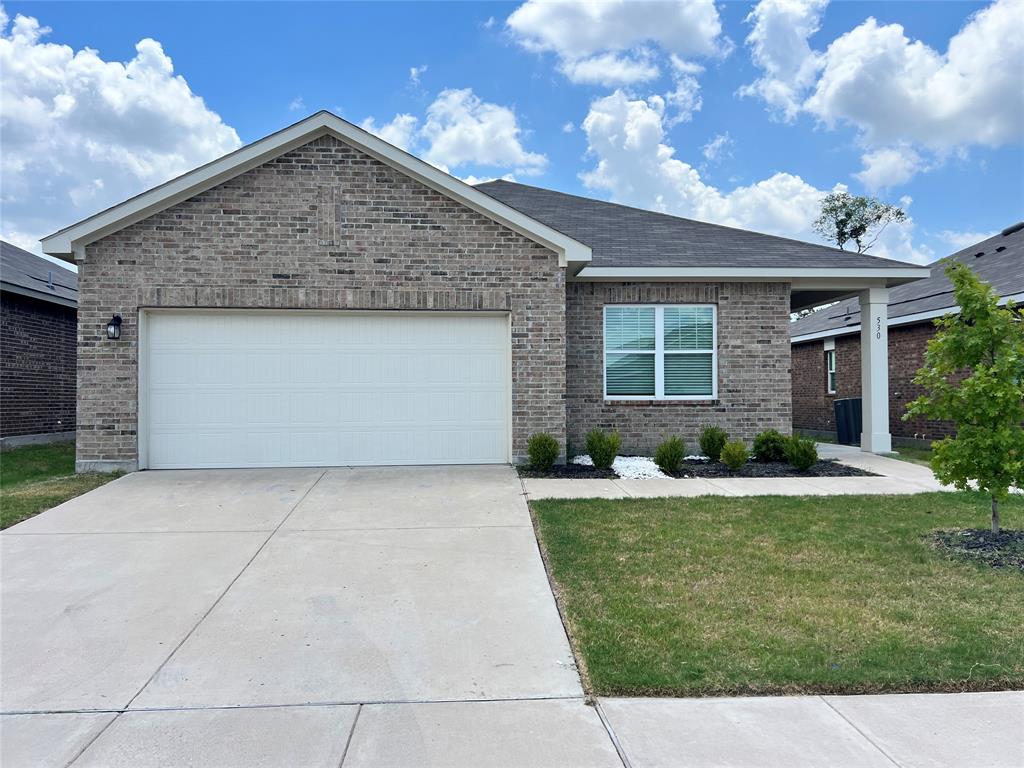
(148, 316)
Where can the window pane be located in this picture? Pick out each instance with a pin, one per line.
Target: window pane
(629, 328)
(689, 328)
(688, 375)
(630, 375)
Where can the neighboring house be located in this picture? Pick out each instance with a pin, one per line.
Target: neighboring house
(826, 343)
(37, 348)
(320, 297)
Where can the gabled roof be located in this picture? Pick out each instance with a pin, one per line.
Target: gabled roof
(643, 241)
(69, 242)
(999, 261)
(30, 275)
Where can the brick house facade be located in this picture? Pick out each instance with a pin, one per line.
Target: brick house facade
(812, 403)
(37, 350)
(324, 217)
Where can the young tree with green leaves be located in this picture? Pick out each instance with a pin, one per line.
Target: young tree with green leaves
(845, 217)
(974, 376)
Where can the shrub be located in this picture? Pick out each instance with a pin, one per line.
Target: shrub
(801, 452)
(603, 448)
(712, 440)
(734, 454)
(670, 455)
(770, 445)
(542, 450)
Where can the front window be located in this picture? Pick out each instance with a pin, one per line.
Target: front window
(830, 371)
(660, 352)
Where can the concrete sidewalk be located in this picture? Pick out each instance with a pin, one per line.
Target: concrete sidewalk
(894, 477)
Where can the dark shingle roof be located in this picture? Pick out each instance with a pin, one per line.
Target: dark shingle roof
(21, 269)
(620, 236)
(999, 261)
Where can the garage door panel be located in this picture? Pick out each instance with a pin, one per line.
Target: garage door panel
(292, 389)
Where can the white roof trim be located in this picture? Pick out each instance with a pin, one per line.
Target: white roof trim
(917, 317)
(901, 274)
(71, 240)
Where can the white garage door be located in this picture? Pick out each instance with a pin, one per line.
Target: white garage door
(278, 389)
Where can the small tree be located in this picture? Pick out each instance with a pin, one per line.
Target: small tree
(974, 376)
(845, 217)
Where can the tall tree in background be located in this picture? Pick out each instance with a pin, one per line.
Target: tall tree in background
(845, 217)
(973, 375)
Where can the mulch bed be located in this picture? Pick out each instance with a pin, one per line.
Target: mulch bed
(569, 471)
(822, 468)
(979, 545)
(692, 468)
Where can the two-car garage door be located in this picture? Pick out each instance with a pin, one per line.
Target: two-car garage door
(265, 388)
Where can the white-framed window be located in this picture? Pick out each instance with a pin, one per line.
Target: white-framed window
(660, 352)
(830, 370)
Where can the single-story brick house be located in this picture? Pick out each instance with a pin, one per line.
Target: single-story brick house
(826, 343)
(38, 307)
(320, 297)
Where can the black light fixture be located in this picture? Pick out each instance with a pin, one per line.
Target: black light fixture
(114, 328)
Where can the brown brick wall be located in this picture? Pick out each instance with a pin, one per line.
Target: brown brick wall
(37, 366)
(812, 406)
(321, 227)
(753, 364)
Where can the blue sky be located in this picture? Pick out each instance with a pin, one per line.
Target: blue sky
(628, 102)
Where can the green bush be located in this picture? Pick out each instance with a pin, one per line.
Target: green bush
(542, 450)
(603, 448)
(734, 454)
(712, 440)
(770, 445)
(801, 452)
(670, 455)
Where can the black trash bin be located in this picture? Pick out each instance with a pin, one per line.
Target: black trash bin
(848, 420)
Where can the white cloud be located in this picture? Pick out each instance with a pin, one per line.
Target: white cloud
(80, 133)
(607, 42)
(685, 97)
(461, 130)
(415, 73)
(298, 104)
(779, 47)
(900, 94)
(569, 127)
(890, 167)
(959, 240)
(636, 165)
(717, 147)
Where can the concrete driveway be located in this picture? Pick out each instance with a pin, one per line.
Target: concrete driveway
(384, 616)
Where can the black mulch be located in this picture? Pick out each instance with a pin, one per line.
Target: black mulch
(822, 468)
(979, 545)
(692, 468)
(572, 471)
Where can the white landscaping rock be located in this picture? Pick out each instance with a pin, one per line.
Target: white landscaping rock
(628, 467)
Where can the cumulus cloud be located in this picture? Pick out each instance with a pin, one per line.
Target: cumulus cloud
(461, 130)
(415, 73)
(608, 43)
(959, 240)
(298, 104)
(906, 99)
(717, 147)
(635, 164)
(779, 47)
(80, 133)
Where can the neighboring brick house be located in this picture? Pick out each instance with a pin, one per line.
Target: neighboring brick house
(829, 339)
(37, 348)
(320, 297)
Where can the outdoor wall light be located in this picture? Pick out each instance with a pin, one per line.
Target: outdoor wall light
(114, 328)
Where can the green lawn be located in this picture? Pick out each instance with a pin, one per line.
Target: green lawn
(724, 595)
(914, 455)
(37, 477)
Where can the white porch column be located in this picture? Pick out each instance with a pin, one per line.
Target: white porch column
(874, 370)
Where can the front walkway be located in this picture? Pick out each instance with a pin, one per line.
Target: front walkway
(895, 477)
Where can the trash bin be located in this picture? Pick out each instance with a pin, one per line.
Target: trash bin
(848, 420)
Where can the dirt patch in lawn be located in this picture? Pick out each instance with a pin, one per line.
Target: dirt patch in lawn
(823, 468)
(979, 545)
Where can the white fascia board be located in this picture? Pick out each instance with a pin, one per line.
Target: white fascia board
(894, 322)
(767, 274)
(69, 242)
